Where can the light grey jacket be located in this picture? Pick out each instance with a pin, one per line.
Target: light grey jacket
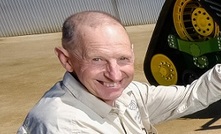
(69, 108)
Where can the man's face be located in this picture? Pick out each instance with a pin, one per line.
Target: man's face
(105, 63)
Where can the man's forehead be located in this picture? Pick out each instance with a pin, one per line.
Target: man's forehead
(105, 49)
(110, 46)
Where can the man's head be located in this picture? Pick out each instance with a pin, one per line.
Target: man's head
(97, 49)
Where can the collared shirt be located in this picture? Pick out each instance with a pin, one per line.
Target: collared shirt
(69, 108)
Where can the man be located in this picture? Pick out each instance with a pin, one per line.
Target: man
(97, 94)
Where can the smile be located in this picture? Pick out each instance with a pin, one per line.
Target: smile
(110, 84)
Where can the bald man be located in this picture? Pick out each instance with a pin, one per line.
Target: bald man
(98, 94)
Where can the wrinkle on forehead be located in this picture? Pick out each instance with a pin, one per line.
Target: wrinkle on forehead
(112, 50)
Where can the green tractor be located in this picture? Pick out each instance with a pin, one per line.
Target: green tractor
(185, 43)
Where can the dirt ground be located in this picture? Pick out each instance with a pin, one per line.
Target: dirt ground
(29, 67)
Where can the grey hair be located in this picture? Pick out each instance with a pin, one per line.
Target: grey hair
(71, 30)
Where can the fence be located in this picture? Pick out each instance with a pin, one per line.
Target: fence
(22, 17)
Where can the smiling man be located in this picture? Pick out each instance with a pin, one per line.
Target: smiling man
(98, 94)
(104, 73)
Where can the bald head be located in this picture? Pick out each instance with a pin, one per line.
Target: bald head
(73, 26)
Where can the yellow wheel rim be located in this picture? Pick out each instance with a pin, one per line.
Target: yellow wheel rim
(163, 70)
(202, 22)
(192, 22)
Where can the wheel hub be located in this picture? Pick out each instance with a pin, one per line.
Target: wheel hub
(163, 70)
(202, 22)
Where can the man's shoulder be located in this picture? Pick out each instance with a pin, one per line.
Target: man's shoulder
(138, 89)
(137, 85)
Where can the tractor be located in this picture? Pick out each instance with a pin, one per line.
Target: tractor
(185, 43)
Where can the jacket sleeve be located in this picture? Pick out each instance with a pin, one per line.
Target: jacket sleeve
(169, 102)
(34, 128)
(21, 130)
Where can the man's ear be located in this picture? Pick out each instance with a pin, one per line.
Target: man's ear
(64, 58)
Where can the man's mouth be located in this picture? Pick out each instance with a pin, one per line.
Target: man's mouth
(109, 84)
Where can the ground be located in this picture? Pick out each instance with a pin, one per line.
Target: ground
(29, 67)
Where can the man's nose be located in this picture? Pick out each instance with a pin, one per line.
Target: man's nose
(113, 71)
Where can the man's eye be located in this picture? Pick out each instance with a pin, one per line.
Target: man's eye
(123, 58)
(97, 59)
(125, 61)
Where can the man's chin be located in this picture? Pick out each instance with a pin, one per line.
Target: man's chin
(113, 96)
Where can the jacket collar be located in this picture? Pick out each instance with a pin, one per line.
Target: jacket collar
(98, 106)
(81, 93)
